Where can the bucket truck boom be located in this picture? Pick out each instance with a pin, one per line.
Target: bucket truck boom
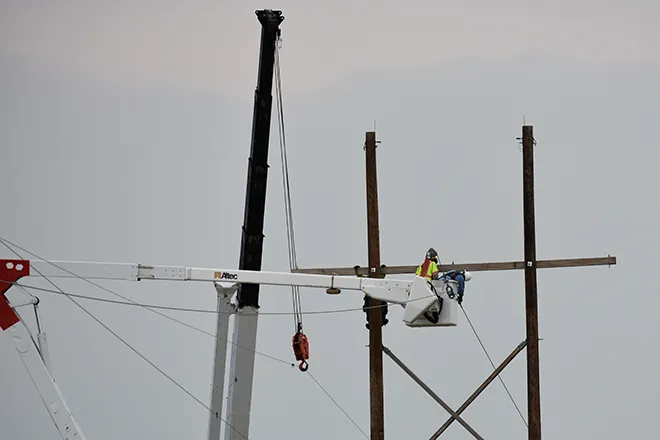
(418, 297)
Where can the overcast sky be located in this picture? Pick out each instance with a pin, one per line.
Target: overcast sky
(125, 132)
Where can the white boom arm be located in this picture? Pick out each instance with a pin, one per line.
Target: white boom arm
(417, 297)
(395, 291)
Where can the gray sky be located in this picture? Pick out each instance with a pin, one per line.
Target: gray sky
(127, 126)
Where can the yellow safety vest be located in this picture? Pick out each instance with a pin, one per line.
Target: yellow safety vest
(432, 267)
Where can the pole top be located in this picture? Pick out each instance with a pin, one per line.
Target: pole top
(370, 139)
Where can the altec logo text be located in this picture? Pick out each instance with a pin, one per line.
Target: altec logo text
(225, 276)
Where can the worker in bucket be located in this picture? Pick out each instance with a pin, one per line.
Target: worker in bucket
(429, 268)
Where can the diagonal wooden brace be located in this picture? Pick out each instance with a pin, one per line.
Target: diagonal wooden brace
(482, 387)
(431, 393)
(472, 267)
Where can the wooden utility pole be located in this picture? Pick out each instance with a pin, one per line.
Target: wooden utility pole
(533, 386)
(529, 265)
(375, 312)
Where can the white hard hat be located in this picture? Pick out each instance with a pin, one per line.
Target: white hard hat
(468, 276)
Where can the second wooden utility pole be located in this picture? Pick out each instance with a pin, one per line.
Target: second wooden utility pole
(531, 301)
(375, 313)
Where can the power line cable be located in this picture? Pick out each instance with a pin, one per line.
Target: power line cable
(91, 315)
(41, 396)
(5, 241)
(494, 367)
(207, 333)
(150, 307)
(129, 302)
(133, 303)
(338, 405)
(192, 327)
(194, 310)
(291, 242)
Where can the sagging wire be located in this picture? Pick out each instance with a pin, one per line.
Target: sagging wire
(147, 306)
(91, 315)
(299, 341)
(212, 335)
(338, 405)
(494, 367)
(130, 302)
(47, 405)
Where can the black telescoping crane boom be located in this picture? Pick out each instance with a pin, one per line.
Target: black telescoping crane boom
(255, 196)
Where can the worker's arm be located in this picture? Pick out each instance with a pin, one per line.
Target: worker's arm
(436, 272)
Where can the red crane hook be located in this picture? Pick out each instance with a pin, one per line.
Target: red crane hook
(301, 349)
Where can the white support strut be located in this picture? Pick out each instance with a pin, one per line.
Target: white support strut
(225, 310)
(50, 393)
(37, 364)
(241, 368)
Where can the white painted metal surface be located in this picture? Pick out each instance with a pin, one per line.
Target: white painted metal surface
(423, 299)
(394, 291)
(239, 392)
(45, 353)
(84, 269)
(50, 393)
(416, 297)
(225, 310)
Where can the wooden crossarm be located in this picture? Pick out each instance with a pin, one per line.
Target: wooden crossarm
(473, 267)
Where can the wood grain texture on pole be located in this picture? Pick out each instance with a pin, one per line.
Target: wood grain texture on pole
(531, 300)
(375, 313)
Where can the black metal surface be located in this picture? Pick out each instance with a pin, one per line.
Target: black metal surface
(255, 195)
